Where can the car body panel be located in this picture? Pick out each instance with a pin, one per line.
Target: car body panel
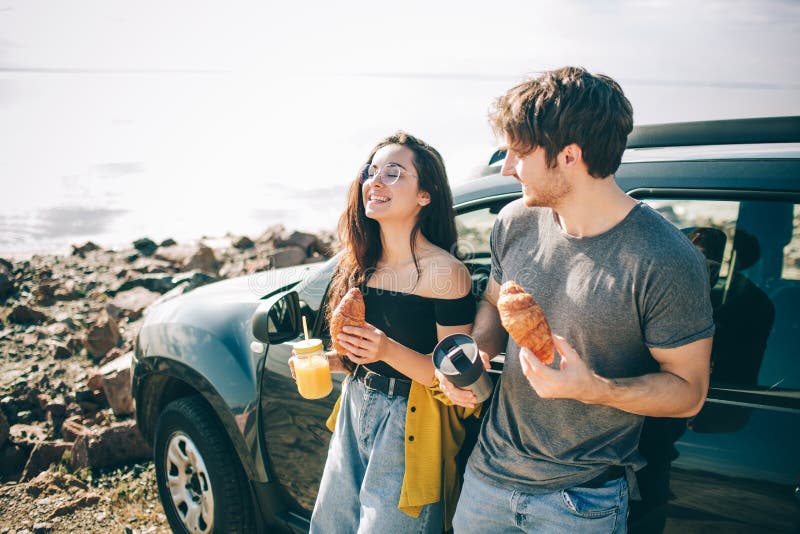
(733, 467)
(204, 339)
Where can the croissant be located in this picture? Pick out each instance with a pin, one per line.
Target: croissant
(349, 312)
(525, 321)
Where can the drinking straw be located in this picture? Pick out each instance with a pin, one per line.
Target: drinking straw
(305, 327)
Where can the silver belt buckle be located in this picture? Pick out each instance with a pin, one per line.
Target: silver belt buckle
(368, 380)
(392, 382)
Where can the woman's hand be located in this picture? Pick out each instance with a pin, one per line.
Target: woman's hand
(364, 345)
(461, 397)
(336, 362)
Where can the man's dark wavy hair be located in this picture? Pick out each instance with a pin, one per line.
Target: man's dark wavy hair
(565, 106)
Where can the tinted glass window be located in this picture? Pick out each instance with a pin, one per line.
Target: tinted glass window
(474, 229)
(752, 250)
(474, 226)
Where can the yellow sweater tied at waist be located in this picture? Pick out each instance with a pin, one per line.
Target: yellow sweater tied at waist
(434, 435)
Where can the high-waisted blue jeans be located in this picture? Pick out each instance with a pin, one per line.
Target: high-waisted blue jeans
(360, 487)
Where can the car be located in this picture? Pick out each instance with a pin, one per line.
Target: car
(237, 449)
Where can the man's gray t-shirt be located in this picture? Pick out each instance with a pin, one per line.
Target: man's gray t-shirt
(640, 284)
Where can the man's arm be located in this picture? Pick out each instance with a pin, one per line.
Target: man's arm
(487, 330)
(677, 390)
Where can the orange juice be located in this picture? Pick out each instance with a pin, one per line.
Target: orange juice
(311, 369)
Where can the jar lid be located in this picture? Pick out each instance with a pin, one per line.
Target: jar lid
(308, 346)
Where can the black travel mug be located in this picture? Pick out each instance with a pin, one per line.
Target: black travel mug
(457, 357)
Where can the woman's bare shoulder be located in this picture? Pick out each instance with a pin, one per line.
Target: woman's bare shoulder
(443, 276)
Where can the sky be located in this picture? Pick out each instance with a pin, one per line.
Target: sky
(186, 118)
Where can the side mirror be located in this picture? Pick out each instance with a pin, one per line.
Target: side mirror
(279, 320)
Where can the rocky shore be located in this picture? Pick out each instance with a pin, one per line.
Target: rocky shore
(71, 457)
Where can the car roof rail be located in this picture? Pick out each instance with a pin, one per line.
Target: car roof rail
(720, 132)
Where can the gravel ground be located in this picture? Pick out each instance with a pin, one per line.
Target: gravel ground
(118, 500)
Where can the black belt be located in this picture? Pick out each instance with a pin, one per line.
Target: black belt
(384, 384)
(612, 473)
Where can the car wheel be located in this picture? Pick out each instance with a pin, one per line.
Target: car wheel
(201, 483)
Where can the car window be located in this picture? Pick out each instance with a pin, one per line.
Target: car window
(474, 226)
(474, 230)
(791, 256)
(752, 250)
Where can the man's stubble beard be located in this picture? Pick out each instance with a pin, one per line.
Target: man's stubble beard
(554, 192)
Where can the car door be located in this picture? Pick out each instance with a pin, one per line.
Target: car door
(734, 467)
(293, 428)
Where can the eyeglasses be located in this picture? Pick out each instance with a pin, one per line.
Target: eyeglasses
(389, 173)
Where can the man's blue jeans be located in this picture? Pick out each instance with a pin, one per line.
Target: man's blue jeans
(486, 509)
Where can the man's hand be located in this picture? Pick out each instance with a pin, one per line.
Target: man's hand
(574, 380)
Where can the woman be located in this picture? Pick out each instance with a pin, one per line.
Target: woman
(384, 468)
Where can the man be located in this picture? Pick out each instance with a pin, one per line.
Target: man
(626, 295)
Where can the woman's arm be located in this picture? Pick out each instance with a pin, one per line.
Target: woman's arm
(370, 344)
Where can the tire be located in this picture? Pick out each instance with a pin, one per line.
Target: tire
(195, 458)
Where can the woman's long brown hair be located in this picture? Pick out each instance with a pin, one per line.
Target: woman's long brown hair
(361, 237)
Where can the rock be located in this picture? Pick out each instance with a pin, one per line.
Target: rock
(95, 380)
(303, 240)
(22, 314)
(72, 429)
(24, 434)
(176, 254)
(287, 257)
(90, 396)
(29, 340)
(73, 344)
(168, 242)
(271, 233)
(131, 303)
(119, 443)
(56, 407)
(42, 527)
(25, 416)
(193, 279)
(117, 387)
(244, 243)
(9, 408)
(88, 499)
(68, 291)
(57, 329)
(145, 245)
(4, 429)
(42, 455)
(43, 399)
(44, 293)
(12, 459)
(60, 352)
(232, 269)
(7, 285)
(114, 379)
(83, 249)
(203, 260)
(160, 283)
(256, 265)
(120, 363)
(102, 336)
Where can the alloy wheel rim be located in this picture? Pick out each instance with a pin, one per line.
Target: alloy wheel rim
(189, 484)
